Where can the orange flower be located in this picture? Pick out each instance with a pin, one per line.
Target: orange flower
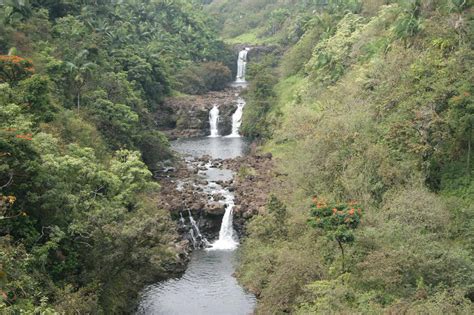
(334, 210)
(351, 212)
(27, 136)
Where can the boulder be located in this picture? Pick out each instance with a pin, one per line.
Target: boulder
(215, 209)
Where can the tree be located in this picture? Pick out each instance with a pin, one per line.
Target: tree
(16, 10)
(14, 69)
(80, 71)
(337, 220)
(408, 24)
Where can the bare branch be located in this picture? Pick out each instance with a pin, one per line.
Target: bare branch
(10, 180)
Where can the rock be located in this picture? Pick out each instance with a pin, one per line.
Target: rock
(188, 116)
(217, 197)
(202, 182)
(247, 215)
(215, 208)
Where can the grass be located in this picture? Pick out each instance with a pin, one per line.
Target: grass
(251, 38)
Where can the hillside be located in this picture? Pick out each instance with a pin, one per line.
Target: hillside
(369, 114)
(80, 227)
(352, 190)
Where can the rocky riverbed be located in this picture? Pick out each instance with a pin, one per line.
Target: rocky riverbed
(183, 192)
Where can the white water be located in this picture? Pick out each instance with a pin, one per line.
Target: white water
(196, 235)
(241, 66)
(227, 239)
(193, 238)
(214, 121)
(237, 118)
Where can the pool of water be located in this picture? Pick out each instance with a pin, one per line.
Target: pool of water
(217, 148)
(208, 286)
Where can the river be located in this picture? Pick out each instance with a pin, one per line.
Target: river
(207, 287)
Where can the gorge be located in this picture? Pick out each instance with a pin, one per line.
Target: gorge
(236, 157)
(209, 276)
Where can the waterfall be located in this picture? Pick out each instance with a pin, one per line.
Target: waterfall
(237, 118)
(241, 66)
(214, 121)
(196, 235)
(193, 238)
(227, 240)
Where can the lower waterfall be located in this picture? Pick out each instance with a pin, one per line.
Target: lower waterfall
(227, 240)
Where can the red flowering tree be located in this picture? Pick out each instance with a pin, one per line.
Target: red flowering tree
(14, 69)
(338, 220)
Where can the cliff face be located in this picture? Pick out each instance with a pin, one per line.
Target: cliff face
(188, 116)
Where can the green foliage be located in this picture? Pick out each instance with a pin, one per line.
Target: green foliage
(14, 69)
(374, 107)
(34, 93)
(259, 100)
(204, 77)
(331, 56)
(338, 220)
(79, 227)
(408, 24)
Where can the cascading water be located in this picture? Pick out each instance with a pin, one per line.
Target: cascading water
(241, 66)
(214, 121)
(237, 118)
(193, 238)
(208, 285)
(227, 240)
(195, 234)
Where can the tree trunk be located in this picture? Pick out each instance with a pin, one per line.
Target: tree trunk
(343, 257)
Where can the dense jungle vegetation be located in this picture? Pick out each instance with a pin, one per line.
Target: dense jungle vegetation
(80, 231)
(368, 108)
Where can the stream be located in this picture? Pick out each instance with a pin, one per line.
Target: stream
(208, 285)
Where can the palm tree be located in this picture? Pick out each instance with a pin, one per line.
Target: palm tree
(80, 70)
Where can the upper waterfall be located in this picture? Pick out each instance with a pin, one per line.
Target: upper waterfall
(242, 66)
(214, 121)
